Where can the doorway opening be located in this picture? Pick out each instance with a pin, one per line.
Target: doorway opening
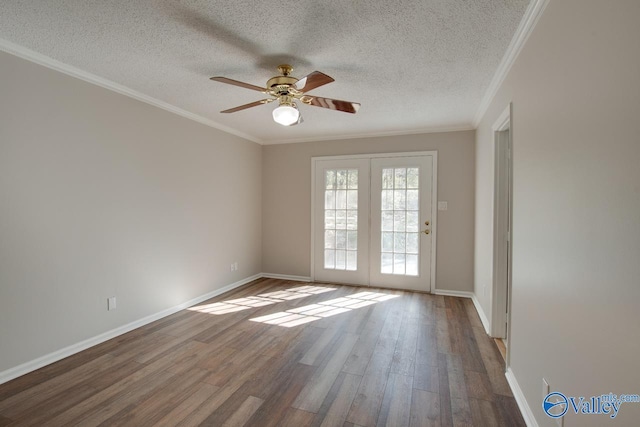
(502, 226)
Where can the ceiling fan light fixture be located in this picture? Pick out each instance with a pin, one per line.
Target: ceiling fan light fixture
(286, 115)
(287, 90)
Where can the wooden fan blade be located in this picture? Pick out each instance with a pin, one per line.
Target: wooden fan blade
(237, 83)
(245, 106)
(312, 81)
(334, 104)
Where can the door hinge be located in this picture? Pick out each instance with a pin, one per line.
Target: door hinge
(508, 236)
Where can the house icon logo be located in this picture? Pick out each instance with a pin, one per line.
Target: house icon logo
(555, 405)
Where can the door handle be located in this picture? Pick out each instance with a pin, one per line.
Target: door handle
(426, 223)
(426, 231)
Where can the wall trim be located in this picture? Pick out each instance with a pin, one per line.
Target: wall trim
(481, 314)
(45, 61)
(474, 299)
(434, 129)
(527, 414)
(286, 277)
(72, 349)
(524, 30)
(499, 303)
(451, 293)
(57, 355)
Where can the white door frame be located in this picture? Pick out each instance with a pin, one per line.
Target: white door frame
(502, 218)
(434, 199)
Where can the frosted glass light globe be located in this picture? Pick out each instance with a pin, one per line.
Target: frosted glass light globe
(286, 115)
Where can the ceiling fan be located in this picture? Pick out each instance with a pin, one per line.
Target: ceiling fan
(287, 90)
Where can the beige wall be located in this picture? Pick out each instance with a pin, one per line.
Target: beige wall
(576, 236)
(286, 195)
(102, 195)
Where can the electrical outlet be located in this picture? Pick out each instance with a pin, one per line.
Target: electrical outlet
(235, 266)
(442, 206)
(111, 303)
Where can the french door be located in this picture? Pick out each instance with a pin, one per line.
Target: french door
(373, 220)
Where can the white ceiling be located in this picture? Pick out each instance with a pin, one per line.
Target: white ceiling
(414, 65)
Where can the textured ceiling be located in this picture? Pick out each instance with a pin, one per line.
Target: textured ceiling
(414, 65)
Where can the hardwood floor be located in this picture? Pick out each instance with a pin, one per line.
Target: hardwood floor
(502, 348)
(279, 353)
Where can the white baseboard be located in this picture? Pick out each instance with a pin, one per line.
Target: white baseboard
(47, 359)
(448, 293)
(476, 304)
(287, 277)
(481, 313)
(527, 414)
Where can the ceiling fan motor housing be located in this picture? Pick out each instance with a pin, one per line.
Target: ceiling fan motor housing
(281, 84)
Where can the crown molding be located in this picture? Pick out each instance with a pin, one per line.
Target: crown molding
(524, 30)
(45, 61)
(527, 24)
(371, 134)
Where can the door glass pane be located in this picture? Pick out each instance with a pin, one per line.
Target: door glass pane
(387, 242)
(330, 239)
(400, 178)
(400, 210)
(412, 221)
(412, 199)
(352, 220)
(399, 220)
(387, 199)
(387, 263)
(352, 240)
(412, 243)
(341, 179)
(387, 220)
(329, 258)
(412, 178)
(340, 215)
(341, 260)
(352, 199)
(341, 199)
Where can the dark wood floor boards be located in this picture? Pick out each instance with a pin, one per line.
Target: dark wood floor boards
(412, 360)
(366, 405)
(425, 409)
(313, 394)
(193, 399)
(21, 403)
(395, 409)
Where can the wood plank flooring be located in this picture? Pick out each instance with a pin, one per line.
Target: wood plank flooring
(281, 353)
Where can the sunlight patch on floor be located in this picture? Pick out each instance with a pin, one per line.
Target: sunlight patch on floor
(310, 313)
(261, 300)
